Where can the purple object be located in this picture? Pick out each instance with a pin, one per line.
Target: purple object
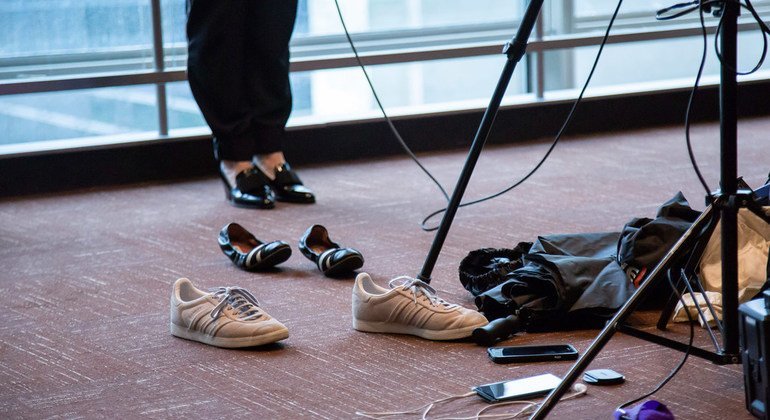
(649, 410)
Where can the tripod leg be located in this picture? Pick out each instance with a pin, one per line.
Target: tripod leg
(728, 130)
(693, 260)
(515, 51)
(701, 314)
(676, 251)
(668, 310)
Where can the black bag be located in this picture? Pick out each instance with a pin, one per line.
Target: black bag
(583, 275)
(485, 268)
(644, 242)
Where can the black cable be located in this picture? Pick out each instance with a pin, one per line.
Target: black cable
(690, 103)
(691, 6)
(382, 109)
(688, 8)
(762, 25)
(700, 5)
(564, 126)
(684, 359)
(764, 30)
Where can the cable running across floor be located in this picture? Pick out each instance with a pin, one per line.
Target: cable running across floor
(406, 148)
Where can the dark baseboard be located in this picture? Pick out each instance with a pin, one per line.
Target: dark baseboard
(163, 161)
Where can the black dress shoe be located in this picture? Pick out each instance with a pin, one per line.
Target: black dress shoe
(331, 259)
(248, 252)
(251, 190)
(288, 187)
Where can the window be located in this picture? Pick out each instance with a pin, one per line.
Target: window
(50, 38)
(80, 73)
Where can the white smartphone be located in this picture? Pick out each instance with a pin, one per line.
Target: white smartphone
(518, 388)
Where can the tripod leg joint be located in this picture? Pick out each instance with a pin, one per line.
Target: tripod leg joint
(515, 50)
(741, 199)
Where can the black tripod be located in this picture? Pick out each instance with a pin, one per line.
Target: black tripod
(514, 50)
(728, 201)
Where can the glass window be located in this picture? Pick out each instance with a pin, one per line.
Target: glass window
(319, 17)
(604, 8)
(660, 61)
(78, 38)
(56, 37)
(75, 114)
(581, 16)
(343, 94)
(174, 18)
(183, 111)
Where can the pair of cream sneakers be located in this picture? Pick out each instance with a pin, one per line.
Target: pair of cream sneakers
(231, 317)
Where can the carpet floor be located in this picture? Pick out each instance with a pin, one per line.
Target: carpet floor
(86, 278)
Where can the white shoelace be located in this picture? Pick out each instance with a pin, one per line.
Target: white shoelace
(419, 287)
(241, 300)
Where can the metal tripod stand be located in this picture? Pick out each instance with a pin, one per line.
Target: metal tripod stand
(514, 50)
(728, 201)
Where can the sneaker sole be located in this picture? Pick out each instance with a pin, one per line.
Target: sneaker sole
(386, 327)
(229, 343)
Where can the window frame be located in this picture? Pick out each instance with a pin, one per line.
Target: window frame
(99, 69)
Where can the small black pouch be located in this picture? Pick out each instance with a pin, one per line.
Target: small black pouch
(485, 268)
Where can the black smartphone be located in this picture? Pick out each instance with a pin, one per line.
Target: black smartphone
(515, 354)
(518, 388)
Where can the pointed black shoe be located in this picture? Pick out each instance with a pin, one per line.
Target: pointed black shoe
(288, 187)
(251, 190)
(331, 259)
(248, 252)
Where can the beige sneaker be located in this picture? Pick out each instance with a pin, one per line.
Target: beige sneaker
(226, 317)
(410, 306)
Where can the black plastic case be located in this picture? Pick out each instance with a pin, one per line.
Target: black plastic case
(755, 350)
(603, 377)
(537, 353)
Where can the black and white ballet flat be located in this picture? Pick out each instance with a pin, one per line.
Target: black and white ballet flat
(331, 258)
(248, 252)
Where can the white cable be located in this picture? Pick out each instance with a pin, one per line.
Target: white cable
(426, 408)
(579, 390)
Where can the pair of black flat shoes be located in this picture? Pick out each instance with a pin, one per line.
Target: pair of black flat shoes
(254, 189)
(251, 254)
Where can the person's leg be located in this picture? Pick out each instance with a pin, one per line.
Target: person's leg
(271, 23)
(268, 83)
(215, 68)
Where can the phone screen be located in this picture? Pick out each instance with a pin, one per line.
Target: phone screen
(518, 388)
(532, 353)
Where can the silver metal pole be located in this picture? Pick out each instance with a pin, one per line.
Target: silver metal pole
(157, 43)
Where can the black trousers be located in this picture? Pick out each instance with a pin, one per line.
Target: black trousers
(238, 69)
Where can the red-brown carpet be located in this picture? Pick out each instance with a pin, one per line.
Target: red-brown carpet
(86, 278)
